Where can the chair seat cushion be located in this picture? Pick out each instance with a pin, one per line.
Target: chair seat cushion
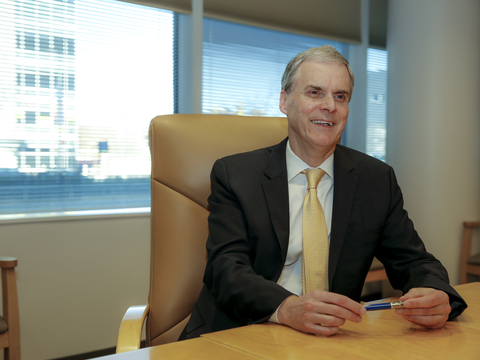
(3, 325)
(475, 260)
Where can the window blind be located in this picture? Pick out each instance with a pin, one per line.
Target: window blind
(376, 102)
(79, 82)
(243, 66)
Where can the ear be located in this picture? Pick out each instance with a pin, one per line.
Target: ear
(283, 102)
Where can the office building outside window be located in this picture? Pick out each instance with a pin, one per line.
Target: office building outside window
(79, 83)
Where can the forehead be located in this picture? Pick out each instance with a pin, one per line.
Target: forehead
(322, 74)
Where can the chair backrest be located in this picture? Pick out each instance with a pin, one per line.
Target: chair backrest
(184, 148)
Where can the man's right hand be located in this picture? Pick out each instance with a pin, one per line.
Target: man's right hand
(319, 312)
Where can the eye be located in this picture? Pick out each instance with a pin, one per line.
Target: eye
(315, 92)
(341, 97)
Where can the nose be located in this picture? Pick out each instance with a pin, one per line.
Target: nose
(327, 103)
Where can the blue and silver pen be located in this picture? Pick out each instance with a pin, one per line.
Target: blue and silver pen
(383, 306)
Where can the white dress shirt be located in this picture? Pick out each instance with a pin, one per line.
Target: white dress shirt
(291, 277)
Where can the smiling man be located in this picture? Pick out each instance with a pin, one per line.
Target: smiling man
(256, 248)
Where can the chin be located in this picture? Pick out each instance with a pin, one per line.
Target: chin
(326, 142)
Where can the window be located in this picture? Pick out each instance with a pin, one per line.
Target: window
(79, 82)
(376, 103)
(243, 66)
(30, 117)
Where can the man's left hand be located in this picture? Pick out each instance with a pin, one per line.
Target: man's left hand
(426, 307)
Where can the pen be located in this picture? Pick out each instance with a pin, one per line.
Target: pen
(383, 306)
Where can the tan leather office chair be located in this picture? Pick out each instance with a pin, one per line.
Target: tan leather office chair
(9, 320)
(183, 149)
(469, 264)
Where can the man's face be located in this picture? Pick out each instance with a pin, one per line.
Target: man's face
(317, 109)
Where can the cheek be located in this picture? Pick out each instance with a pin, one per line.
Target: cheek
(345, 113)
(307, 108)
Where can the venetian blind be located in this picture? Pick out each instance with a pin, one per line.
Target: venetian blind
(79, 82)
(243, 66)
(376, 103)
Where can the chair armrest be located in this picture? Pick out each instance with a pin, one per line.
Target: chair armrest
(10, 304)
(130, 333)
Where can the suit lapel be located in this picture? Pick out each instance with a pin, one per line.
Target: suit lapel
(345, 183)
(275, 187)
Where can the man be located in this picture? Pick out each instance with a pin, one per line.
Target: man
(254, 268)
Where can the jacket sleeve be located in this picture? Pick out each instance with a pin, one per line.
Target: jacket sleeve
(240, 275)
(407, 262)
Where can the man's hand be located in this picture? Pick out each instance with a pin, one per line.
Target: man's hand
(425, 306)
(319, 312)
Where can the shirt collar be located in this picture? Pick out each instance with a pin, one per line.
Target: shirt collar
(295, 165)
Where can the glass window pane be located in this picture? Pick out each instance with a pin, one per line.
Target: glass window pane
(376, 103)
(79, 83)
(243, 66)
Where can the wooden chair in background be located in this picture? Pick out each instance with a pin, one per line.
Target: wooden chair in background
(469, 264)
(376, 272)
(9, 319)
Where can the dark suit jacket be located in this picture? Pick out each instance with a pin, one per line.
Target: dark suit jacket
(249, 233)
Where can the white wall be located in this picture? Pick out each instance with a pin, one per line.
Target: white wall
(75, 280)
(433, 116)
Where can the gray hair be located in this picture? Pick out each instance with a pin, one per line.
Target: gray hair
(325, 53)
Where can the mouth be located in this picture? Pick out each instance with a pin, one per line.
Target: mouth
(323, 122)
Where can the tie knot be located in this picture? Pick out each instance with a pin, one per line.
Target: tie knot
(313, 177)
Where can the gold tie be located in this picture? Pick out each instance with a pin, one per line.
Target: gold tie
(315, 237)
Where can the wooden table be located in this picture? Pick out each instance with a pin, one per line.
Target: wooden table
(194, 349)
(380, 335)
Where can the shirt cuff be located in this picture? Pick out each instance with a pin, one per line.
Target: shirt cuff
(274, 317)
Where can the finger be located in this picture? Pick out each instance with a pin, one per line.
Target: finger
(437, 310)
(336, 306)
(324, 330)
(335, 311)
(413, 293)
(427, 301)
(318, 328)
(325, 320)
(339, 300)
